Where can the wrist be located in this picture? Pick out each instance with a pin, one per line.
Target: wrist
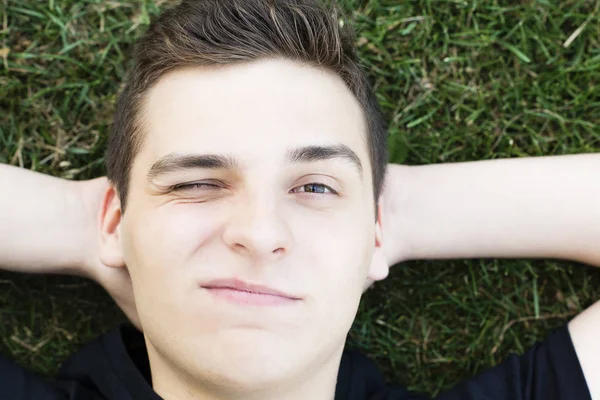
(396, 195)
(84, 200)
(75, 235)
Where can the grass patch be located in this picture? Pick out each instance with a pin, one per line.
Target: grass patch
(458, 81)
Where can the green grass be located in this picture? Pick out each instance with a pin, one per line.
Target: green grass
(458, 81)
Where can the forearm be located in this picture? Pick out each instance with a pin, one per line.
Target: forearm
(546, 207)
(41, 228)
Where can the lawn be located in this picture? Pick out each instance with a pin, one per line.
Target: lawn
(458, 81)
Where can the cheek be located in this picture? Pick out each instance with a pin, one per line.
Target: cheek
(340, 251)
(159, 249)
(340, 247)
(159, 246)
(337, 271)
(165, 237)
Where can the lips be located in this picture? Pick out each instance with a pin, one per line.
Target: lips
(232, 285)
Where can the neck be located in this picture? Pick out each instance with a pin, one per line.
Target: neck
(316, 382)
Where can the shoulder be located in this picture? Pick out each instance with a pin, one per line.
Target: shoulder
(359, 378)
(115, 366)
(18, 383)
(548, 370)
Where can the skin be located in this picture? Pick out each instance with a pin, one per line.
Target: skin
(260, 223)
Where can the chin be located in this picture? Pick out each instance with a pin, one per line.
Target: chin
(250, 358)
(254, 375)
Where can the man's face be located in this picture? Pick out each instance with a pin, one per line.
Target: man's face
(230, 183)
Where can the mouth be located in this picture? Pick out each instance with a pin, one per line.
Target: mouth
(243, 293)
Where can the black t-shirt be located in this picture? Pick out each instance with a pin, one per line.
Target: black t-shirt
(115, 367)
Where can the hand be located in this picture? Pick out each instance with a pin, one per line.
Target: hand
(116, 281)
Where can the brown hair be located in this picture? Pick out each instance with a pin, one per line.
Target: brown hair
(218, 32)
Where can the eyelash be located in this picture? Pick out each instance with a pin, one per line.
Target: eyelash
(199, 185)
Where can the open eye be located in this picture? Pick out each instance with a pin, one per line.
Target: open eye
(317, 188)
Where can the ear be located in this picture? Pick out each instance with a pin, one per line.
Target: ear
(111, 253)
(379, 268)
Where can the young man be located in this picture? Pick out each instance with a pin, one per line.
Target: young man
(246, 163)
(531, 207)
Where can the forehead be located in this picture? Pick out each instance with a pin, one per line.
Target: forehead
(255, 111)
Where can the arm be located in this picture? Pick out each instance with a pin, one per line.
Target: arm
(546, 207)
(48, 225)
(529, 207)
(44, 225)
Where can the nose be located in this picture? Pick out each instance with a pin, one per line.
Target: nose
(257, 230)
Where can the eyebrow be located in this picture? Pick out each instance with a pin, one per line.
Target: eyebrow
(176, 162)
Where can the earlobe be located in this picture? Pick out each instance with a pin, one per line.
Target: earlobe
(111, 253)
(379, 268)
